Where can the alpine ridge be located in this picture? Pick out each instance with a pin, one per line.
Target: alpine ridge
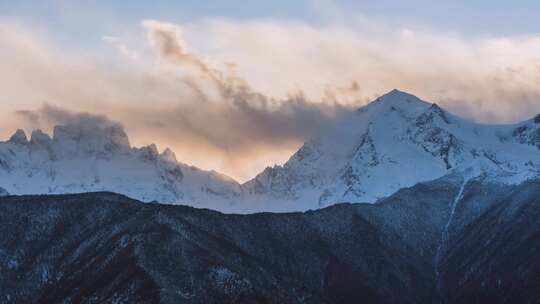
(393, 142)
(451, 240)
(397, 141)
(87, 158)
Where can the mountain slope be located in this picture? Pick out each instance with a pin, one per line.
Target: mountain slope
(492, 260)
(103, 247)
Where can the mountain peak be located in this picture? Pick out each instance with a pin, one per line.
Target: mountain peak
(399, 96)
(395, 100)
(19, 137)
(39, 137)
(168, 155)
(150, 152)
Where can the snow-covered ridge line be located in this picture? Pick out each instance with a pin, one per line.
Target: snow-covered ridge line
(85, 158)
(396, 141)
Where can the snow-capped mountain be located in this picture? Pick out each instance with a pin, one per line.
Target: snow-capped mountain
(394, 142)
(83, 158)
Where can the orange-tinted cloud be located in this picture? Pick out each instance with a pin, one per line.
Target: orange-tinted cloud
(224, 100)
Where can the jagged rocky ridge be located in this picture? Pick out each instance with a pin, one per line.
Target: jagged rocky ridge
(396, 141)
(458, 239)
(85, 157)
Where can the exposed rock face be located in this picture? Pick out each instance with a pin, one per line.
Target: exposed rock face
(453, 240)
(19, 138)
(537, 119)
(529, 133)
(40, 138)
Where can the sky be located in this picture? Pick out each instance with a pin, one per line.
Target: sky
(236, 86)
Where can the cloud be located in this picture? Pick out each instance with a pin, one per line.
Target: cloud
(99, 132)
(498, 73)
(121, 47)
(214, 120)
(489, 79)
(54, 115)
(31, 117)
(240, 116)
(243, 95)
(166, 39)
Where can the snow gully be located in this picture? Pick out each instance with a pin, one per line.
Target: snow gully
(443, 244)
